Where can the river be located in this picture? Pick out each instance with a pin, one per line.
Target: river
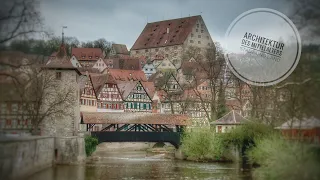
(138, 165)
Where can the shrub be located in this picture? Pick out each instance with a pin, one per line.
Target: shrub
(282, 159)
(202, 144)
(90, 144)
(247, 133)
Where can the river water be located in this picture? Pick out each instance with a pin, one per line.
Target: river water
(139, 165)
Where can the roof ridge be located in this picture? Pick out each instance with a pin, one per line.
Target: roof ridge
(175, 19)
(224, 116)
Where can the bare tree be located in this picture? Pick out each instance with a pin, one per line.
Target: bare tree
(19, 18)
(42, 97)
(210, 67)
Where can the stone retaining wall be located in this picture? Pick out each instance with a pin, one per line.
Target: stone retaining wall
(23, 156)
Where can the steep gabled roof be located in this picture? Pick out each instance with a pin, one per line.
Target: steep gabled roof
(149, 87)
(126, 87)
(120, 49)
(85, 53)
(98, 82)
(155, 34)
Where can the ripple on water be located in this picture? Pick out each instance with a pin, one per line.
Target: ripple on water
(138, 166)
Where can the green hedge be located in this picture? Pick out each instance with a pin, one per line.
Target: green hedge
(90, 144)
(282, 159)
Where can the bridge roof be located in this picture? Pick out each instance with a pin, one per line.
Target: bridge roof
(134, 118)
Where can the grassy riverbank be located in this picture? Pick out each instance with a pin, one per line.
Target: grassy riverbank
(276, 157)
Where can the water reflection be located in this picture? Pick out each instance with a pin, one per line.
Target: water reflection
(139, 165)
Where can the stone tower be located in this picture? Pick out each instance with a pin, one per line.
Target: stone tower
(64, 90)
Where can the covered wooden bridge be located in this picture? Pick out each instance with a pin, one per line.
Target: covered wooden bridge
(136, 127)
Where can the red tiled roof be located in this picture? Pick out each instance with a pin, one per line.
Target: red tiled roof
(112, 61)
(120, 49)
(98, 81)
(155, 34)
(126, 75)
(162, 95)
(90, 70)
(85, 53)
(149, 87)
(126, 87)
(134, 118)
(130, 64)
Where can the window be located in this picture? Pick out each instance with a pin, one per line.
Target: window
(166, 49)
(146, 50)
(163, 64)
(90, 57)
(197, 25)
(151, 69)
(58, 75)
(207, 37)
(137, 52)
(199, 36)
(191, 34)
(167, 55)
(191, 41)
(175, 47)
(196, 30)
(175, 54)
(157, 50)
(199, 42)
(202, 30)
(208, 44)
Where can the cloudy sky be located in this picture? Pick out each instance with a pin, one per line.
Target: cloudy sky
(122, 21)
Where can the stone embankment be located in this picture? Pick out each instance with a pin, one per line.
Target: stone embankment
(23, 156)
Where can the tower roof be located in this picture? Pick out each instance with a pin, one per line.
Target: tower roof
(61, 61)
(165, 33)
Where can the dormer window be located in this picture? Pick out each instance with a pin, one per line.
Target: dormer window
(97, 57)
(90, 57)
(83, 57)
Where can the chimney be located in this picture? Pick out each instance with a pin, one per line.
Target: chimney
(167, 30)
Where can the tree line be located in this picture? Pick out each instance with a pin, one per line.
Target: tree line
(47, 47)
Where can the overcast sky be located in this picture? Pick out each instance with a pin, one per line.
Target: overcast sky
(122, 21)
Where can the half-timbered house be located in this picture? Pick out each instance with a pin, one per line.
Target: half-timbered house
(136, 98)
(108, 94)
(88, 99)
